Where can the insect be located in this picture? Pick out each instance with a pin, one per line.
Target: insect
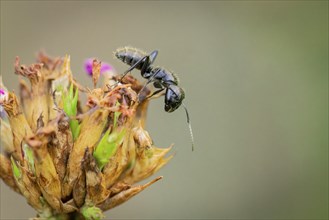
(162, 79)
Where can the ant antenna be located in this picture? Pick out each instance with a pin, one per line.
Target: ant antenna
(189, 125)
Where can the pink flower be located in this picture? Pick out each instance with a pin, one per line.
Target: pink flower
(89, 67)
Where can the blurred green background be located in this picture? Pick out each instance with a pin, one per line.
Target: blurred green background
(256, 81)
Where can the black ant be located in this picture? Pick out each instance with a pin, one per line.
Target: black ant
(161, 78)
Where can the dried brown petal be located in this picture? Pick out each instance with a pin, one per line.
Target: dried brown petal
(48, 62)
(119, 186)
(141, 113)
(11, 105)
(66, 68)
(6, 137)
(29, 189)
(38, 103)
(47, 177)
(149, 159)
(32, 72)
(68, 207)
(39, 106)
(94, 97)
(79, 190)
(18, 123)
(61, 144)
(92, 127)
(95, 181)
(52, 106)
(119, 162)
(124, 195)
(24, 90)
(25, 97)
(135, 84)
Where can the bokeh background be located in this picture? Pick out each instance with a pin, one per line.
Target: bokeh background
(256, 81)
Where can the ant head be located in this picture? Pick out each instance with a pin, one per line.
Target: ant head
(173, 98)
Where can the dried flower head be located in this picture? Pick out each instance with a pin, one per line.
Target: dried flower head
(74, 161)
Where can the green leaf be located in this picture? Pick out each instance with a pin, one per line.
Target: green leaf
(71, 91)
(28, 156)
(75, 101)
(70, 103)
(109, 143)
(16, 171)
(75, 128)
(107, 147)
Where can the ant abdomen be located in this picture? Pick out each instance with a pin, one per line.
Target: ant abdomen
(130, 56)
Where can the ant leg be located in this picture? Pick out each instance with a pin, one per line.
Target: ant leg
(149, 60)
(148, 82)
(153, 55)
(132, 67)
(151, 79)
(156, 94)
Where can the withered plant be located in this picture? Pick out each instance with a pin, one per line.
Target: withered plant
(69, 160)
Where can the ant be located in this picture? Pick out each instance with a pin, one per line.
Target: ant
(161, 78)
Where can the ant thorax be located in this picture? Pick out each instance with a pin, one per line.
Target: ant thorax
(164, 76)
